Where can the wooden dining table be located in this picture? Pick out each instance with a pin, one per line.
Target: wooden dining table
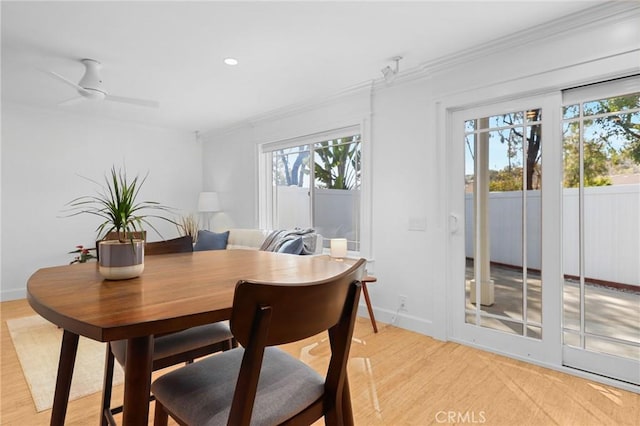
(175, 292)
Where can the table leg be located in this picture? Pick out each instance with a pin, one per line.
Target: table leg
(63, 382)
(368, 301)
(137, 381)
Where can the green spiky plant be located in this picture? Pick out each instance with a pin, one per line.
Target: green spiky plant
(116, 203)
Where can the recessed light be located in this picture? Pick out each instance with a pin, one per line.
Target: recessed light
(231, 61)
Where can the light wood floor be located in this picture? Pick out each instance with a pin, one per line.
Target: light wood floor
(397, 378)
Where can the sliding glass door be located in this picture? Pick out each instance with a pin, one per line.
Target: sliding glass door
(504, 286)
(601, 232)
(545, 228)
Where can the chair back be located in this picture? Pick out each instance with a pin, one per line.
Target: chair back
(298, 310)
(137, 235)
(175, 245)
(267, 314)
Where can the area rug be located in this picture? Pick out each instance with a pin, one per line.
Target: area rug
(37, 343)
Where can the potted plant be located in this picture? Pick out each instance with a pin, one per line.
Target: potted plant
(84, 254)
(188, 225)
(120, 251)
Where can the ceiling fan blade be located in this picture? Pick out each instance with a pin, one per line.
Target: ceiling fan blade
(72, 101)
(133, 101)
(66, 81)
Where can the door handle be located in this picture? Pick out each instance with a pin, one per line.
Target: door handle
(453, 223)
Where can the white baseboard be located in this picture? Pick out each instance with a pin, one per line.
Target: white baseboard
(402, 320)
(12, 294)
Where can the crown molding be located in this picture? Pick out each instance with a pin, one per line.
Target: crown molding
(363, 88)
(599, 15)
(605, 13)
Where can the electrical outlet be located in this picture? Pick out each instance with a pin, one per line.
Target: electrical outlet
(402, 302)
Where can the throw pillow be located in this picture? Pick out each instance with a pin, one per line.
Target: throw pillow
(294, 246)
(208, 240)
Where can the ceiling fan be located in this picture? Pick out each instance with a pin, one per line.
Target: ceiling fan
(90, 87)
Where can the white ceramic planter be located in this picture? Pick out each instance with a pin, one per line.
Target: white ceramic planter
(121, 261)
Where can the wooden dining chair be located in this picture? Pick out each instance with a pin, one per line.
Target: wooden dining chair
(259, 383)
(176, 245)
(169, 349)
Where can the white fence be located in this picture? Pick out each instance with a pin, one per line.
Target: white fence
(611, 237)
(336, 212)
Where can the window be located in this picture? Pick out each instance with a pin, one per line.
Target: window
(316, 182)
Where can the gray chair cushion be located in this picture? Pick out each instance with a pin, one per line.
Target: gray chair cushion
(182, 341)
(201, 393)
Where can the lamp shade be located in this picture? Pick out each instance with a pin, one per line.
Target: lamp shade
(208, 202)
(339, 247)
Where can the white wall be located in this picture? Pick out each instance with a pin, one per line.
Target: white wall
(42, 155)
(405, 190)
(409, 203)
(230, 170)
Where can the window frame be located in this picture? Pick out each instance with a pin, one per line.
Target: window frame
(266, 200)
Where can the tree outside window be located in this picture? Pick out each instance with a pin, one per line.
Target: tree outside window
(332, 204)
(611, 140)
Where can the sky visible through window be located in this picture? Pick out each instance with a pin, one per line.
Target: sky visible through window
(611, 130)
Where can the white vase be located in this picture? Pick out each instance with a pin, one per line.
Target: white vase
(120, 261)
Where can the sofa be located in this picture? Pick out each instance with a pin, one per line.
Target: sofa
(253, 239)
(248, 239)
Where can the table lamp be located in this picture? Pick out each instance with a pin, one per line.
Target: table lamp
(208, 202)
